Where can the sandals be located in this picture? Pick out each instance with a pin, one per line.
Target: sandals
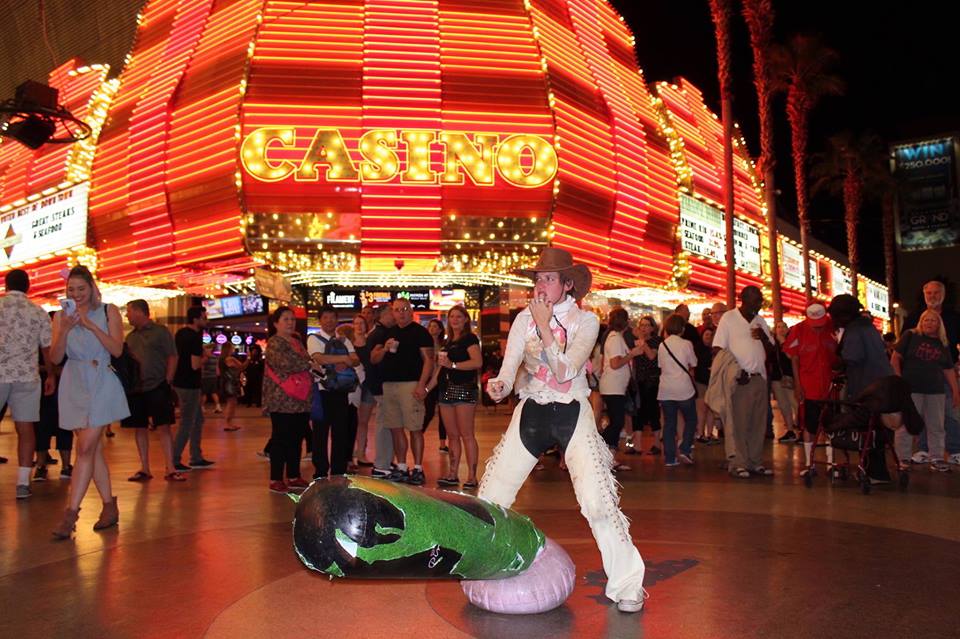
(448, 481)
(760, 471)
(469, 485)
(140, 476)
(740, 473)
(175, 476)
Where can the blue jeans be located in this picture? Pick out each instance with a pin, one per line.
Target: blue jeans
(191, 424)
(688, 408)
(951, 426)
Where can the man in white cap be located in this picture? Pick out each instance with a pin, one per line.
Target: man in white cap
(812, 349)
(552, 340)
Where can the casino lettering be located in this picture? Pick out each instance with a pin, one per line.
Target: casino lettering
(273, 154)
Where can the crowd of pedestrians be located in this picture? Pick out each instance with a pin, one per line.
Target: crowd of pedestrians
(379, 380)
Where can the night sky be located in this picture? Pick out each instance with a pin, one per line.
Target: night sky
(894, 59)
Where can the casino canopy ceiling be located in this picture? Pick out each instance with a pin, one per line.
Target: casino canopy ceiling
(443, 135)
(447, 137)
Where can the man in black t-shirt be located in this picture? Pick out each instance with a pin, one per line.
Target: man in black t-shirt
(406, 362)
(186, 383)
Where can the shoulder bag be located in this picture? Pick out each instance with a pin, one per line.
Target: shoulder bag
(684, 368)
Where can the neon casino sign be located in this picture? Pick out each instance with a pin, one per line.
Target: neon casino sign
(271, 154)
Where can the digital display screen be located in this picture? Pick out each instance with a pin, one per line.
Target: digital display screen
(231, 306)
(213, 309)
(252, 304)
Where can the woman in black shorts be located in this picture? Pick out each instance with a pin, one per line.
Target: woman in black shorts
(460, 361)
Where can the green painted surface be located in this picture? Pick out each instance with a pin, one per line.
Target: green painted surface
(488, 551)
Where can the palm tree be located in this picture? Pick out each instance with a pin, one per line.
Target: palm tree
(843, 170)
(802, 70)
(721, 12)
(882, 186)
(758, 15)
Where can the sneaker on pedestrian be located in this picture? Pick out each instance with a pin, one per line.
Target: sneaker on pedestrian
(939, 466)
(685, 459)
(398, 475)
(920, 457)
(416, 477)
(954, 459)
(297, 484)
(671, 464)
(380, 473)
(201, 464)
(23, 491)
(40, 474)
(630, 605)
(788, 438)
(182, 468)
(278, 487)
(66, 472)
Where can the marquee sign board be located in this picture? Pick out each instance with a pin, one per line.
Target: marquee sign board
(53, 223)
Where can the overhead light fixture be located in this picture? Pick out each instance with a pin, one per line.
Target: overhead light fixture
(34, 118)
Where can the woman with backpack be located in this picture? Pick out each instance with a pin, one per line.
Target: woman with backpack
(336, 357)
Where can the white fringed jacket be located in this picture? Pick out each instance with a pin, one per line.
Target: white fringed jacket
(558, 373)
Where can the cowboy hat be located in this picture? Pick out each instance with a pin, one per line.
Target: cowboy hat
(560, 261)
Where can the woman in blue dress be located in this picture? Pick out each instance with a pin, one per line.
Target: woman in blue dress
(91, 396)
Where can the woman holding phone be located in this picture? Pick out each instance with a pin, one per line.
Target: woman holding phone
(91, 396)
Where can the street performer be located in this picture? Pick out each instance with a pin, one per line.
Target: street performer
(552, 339)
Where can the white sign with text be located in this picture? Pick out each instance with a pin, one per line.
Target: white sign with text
(50, 224)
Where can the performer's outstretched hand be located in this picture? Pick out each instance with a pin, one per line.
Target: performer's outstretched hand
(496, 390)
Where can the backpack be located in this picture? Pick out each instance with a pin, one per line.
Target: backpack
(345, 381)
(125, 367)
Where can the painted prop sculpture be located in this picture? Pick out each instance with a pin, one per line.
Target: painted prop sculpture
(373, 529)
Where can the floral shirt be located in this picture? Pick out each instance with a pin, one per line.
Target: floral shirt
(284, 358)
(24, 328)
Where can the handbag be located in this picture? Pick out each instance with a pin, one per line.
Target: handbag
(297, 385)
(693, 382)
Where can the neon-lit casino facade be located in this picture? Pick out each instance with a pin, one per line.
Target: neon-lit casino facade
(407, 141)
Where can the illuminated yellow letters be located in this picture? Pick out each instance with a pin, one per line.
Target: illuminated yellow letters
(271, 154)
(475, 157)
(327, 148)
(543, 166)
(418, 157)
(380, 162)
(253, 153)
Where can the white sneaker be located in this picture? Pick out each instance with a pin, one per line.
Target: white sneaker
(954, 459)
(632, 605)
(921, 457)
